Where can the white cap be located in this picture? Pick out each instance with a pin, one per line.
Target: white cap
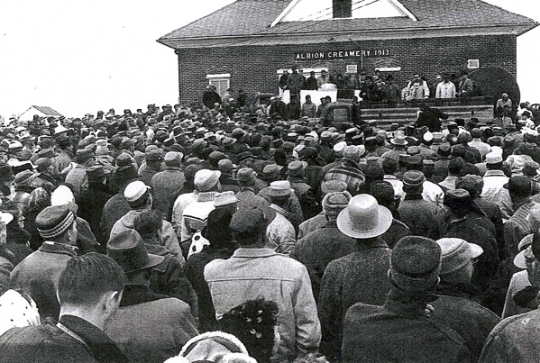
(135, 190)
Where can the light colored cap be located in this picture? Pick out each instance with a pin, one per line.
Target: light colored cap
(62, 196)
(493, 158)
(456, 254)
(280, 188)
(134, 191)
(225, 198)
(206, 179)
(339, 147)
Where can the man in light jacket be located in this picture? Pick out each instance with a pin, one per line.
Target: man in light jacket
(254, 271)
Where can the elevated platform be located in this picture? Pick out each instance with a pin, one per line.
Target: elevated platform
(386, 116)
(406, 112)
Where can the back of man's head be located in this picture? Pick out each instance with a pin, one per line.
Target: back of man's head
(455, 166)
(148, 223)
(389, 166)
(87, 278)
(383, 192)
(519, 187)
(248, 226)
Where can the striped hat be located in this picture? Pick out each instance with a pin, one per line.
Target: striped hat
(53, 221)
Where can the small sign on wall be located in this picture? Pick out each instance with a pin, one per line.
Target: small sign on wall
(352, 68)
(473, 63)
(341, 54)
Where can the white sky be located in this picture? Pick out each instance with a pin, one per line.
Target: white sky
(88, 55)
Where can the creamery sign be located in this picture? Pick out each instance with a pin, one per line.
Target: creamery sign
(341, 54)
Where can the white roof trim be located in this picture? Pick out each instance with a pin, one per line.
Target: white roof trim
(291, 12)
(401, 7)
(363, 4)
(284, 12)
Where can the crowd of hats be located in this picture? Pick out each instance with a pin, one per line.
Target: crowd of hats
(208, 145)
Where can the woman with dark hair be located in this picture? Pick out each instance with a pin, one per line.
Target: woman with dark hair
(221, 246)
(254, 322)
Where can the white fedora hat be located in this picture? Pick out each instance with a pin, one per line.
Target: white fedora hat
(364, 218)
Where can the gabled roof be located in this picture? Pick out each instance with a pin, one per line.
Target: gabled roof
(47, 110)
(304, 10)
(249, 22)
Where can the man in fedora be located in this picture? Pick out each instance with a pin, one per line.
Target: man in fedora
(440, 169)
(522, 293)
(227, 181)
(92, 201)
(400, 330)
(518, 226)
(66, 156)
(167, 182)
(514, 338)
(304, 192)
(320, 247)
(399, 147)
(467, 221)
(89, 289)
(117, 206)
(256, 271)
(280, 233)
(474, 184)
(148, 327)
(457, 305)
(153, 165)
(291, 208)
(38, 274)
(247, 196)
(140, 198)
(494, 181)
(423, 218)
(77, 176)
(359, 276)
(168, 277)
(21, 188)
(383, 191)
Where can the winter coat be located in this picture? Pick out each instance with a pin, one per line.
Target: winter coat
(254, 272)
(358, 277)
(398, 332)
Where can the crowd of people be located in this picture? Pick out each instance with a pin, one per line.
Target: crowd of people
(186, 235)
(364, 90)
(376, 87)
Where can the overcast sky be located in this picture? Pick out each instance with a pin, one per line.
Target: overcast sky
(88, 55)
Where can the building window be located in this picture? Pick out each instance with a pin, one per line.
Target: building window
(222, 82)
(473, 64)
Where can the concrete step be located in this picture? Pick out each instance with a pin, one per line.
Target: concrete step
(386, 116)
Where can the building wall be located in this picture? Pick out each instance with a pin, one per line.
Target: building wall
(253, 68)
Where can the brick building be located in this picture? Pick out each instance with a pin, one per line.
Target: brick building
(248, 43)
